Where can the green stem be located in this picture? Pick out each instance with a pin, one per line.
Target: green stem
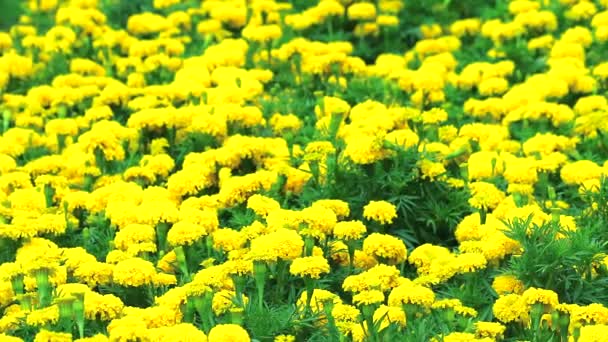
(259, 274)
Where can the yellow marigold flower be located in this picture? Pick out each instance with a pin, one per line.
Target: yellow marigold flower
(534, 295)
(263, 33)
(464, 27)
(8, 338)
(285, 338)
(223, 301)
(185, 233)
(262, 205)
(160, 4)
(510, 308)
(349, 230)
(332, 105)
(504, 284)
(484, 164)
(423, 255)
(319, 299)
(361, 11)
(319, 221)
(228, 333)
(455, 337)
(582, 10)
(44, 316)
(470, 262)
(387, 20)
(485, 196)
(227, 239)
(434, 116)
(380, 211)
(368, 297)
(52, 336)
(592, 333)
(455, 305)
(345, 313)
(283, 244)
(134, 234)
(521, 171)
(365, 149)
(385, 246)
(147, 23)
(94, 273)
(409, 293)
(579, 171)
(182, 332)
(430, 30)
(386, 315)
(285, 123)
(134, 272)
(102, 307)
(339, 207)
(309, 267)
(431, 170)
(489, 329)
(364, 260)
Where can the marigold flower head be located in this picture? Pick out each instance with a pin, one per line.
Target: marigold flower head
(505, 284)
(534, 295)
(345, 313)
(510, 308)
(410, 293)
(485, 195)
(228, 333)
(134, 272)
(349, 230)
(309, 267)
(368, 297)
(385, 246)
(283, 244)
(489, 329)
(380, 211)
(389, 315)
(185, 233)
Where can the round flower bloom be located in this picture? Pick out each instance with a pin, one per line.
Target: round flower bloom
(410, 293)
(345, 313)
(385, 246)
(319, 299)
(263, 33)
(368, 297)
(380, 211)
(470, 262)
(134, 272)
(387, 315)
(504, 284)
(509, 308)
(349, 230)
(579, 171)
(310, 267)
(339, 207)
(485, 195)
(591, 332)
(46, 335)
(228, 333)
(423, 255)
(361, 11)
(262, 205)
(283, 244)
(185, 233)
(534, 295)
(489, 329)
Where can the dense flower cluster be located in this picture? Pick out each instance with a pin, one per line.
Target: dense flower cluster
(336, 170)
